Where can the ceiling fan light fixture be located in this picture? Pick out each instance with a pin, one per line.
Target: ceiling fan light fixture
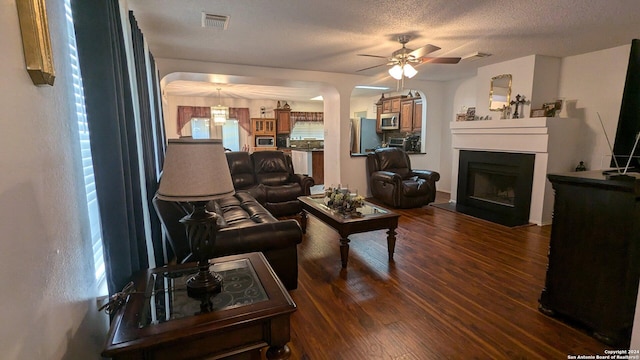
(409, 71)
(396, 72)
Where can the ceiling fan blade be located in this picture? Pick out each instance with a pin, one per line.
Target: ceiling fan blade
(371, 67)
(375, 56)
(440, 60)
(427, 49)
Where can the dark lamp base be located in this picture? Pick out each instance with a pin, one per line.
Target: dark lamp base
(204, 283)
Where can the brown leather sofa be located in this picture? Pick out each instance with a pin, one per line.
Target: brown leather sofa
(245, 226)
(270, 178)
(394, 183)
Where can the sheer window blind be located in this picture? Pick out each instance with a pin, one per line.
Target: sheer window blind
(87, 162)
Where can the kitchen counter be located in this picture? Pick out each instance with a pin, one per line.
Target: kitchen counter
(310, 162)
(300, 149)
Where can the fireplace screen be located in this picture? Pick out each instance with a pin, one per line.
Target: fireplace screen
(493, 187)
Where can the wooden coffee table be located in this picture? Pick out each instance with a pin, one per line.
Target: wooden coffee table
(373, 217)
(159, 320)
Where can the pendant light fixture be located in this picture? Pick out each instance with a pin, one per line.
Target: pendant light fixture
(219, 113)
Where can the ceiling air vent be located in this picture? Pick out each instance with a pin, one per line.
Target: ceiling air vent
(215, 21)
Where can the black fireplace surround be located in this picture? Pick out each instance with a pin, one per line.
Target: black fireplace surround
(495, 186)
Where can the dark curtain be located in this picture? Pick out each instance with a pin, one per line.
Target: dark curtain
(147, 116)
(111, 122)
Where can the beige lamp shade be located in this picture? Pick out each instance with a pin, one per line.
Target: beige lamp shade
(195, 170)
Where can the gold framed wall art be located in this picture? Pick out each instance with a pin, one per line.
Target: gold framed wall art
(36, 41)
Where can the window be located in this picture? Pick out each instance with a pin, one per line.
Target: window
(87, 162)
(231, 135)
(307, 130)
(200, 128)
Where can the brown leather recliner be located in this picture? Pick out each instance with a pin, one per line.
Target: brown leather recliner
(270, 178)
(393, 182)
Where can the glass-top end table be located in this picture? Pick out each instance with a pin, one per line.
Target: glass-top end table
(159, 319)
(166, 298)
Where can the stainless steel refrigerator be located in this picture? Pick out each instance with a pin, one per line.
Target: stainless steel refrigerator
(364, 138)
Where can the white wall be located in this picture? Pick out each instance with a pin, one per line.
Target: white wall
(48, 306)
(593, 83)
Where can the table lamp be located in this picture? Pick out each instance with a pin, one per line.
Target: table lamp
(196, 171)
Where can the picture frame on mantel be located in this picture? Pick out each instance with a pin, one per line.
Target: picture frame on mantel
(36, 41)
(538, 113)
(471, 113)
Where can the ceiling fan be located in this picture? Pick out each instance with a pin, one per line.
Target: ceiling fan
(402, 59)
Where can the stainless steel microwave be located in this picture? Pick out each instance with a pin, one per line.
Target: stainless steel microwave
(265, 141)
(390, 121)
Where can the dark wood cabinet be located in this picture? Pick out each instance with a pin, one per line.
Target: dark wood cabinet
(392, 104)
(593, 272)
(283, 121)
(417, 115)
(378, 113)
(406, 116)
(317, 167)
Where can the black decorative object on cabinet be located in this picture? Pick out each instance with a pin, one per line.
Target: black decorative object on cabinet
(593, 271)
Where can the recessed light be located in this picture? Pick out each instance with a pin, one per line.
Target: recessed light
(317, 98)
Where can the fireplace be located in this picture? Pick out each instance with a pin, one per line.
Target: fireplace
(495, 186)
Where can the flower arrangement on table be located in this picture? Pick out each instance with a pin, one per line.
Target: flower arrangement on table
(342, 200)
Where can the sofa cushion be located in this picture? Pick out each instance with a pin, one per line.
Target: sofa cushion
(395, 161)
(241, 168)
(283, 193)
(415, 187)
(270, 168)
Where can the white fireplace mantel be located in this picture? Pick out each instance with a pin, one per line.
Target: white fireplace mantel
(554, 141)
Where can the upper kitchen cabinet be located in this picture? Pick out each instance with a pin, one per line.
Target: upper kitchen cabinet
(261, 126)
(411, 115)
(283, 121)
(417, 114)
(392, 104)
(378, 113)
(406, 116)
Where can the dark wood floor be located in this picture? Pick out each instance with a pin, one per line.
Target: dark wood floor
(459, 288)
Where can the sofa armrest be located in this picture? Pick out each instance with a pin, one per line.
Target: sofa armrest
(238, 240)
(306, 182)
(386, 176)
(428, 175)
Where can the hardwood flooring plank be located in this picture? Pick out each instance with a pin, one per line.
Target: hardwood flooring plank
(459, 287)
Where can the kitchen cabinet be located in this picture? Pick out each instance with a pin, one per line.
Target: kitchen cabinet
(406, 116)
(283, 121)
(262, 126)
(378, 113)
(309, 163)
(317, 167)
(417, 114)
(411, 115)
(392, 104)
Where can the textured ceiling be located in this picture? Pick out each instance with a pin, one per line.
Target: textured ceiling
(327, 35)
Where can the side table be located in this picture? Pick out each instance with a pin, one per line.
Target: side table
(159, 320)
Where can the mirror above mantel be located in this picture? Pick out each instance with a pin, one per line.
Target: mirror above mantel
(500, 94)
